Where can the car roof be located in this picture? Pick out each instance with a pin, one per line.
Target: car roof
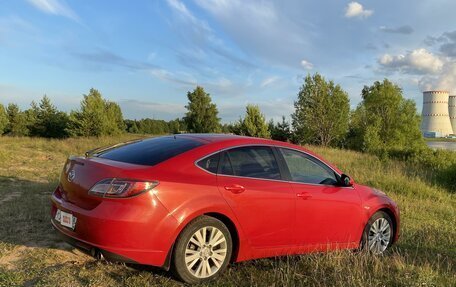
(212, 138)
(231, 139)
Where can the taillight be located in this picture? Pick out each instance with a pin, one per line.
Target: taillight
(113, 187)
(58, 192)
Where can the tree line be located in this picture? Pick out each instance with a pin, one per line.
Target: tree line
(96, 117)
(383, 122)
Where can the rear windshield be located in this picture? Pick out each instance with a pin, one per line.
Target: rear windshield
(150, 151)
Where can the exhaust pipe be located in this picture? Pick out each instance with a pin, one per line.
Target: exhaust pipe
(96, 253)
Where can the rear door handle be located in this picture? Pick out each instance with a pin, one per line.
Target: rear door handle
(235, 188)
(304, 195)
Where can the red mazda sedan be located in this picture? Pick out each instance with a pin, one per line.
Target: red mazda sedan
(196, 202)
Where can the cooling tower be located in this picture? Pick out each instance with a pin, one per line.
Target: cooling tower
(435, 117)
(452, 112)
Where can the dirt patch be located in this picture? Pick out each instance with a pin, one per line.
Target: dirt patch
(10, 258)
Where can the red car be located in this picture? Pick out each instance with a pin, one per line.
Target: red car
(196, 202)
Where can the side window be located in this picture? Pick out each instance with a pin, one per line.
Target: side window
(256, 162)
(210, 163)
(306, 169)
(226, 167)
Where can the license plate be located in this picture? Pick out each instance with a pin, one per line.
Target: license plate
(66, 219)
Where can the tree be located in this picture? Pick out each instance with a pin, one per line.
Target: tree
(96, 117)
(115, 124)
(281, 130)
(176, 126)
(3, 119)
(321, 112)
(48, 121)
(201, 116)
(91, 119)
(227, 128)
(17, 122)
(31, 116)
(385, 122)
(236, 127)
(254, 123)
(134, 128)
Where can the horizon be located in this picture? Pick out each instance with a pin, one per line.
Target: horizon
(146, 57)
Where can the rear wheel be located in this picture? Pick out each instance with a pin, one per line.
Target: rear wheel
(202, 251)
(378, 233)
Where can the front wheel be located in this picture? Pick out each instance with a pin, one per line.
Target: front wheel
(378, 233)
(202, 251)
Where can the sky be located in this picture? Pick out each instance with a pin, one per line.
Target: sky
(146, 55)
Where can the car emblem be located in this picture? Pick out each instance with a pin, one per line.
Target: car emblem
(71, 175)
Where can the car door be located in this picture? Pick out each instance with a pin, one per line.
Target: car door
(326, 212)
(251, 182)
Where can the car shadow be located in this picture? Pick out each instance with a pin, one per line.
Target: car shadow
(25, 222)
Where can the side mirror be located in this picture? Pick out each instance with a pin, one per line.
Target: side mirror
(346, 181)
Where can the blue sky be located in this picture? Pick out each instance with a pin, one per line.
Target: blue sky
(146, 55)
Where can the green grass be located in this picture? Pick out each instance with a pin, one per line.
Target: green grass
(440, 139)
(32, 255)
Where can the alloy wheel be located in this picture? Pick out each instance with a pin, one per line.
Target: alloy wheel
(379, 236)
(205, 252)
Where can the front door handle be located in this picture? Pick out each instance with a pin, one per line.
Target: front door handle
(235, 188)
(304, 195)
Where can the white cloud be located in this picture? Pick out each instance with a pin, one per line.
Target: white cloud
(279, 38)
(406, 29)
(354, 9)
(55, 7)
(15, 30)
(167, 76)
(200, 41)
(306, 65)
(436, 71)
(220, 86)
(415, 62)
(446, 80)
(180, 7)
(268, 81)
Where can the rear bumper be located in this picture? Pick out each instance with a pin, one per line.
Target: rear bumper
(135, 230)
(89, 249)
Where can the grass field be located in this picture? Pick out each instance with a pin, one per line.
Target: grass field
(440, 139)
(32, 255)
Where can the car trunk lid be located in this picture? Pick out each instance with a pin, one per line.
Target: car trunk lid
(80, 174)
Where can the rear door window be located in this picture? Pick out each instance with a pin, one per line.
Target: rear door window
(255, 162)
(150, 151)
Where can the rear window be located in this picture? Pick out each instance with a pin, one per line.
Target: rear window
(150, 151)
(210, 163)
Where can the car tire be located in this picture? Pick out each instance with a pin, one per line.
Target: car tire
(202, 250)
(378, 234)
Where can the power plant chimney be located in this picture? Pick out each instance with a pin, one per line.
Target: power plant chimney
(452, 111)
(435, 116)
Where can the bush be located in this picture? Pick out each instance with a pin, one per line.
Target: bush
(385, 123)
(438, 165)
